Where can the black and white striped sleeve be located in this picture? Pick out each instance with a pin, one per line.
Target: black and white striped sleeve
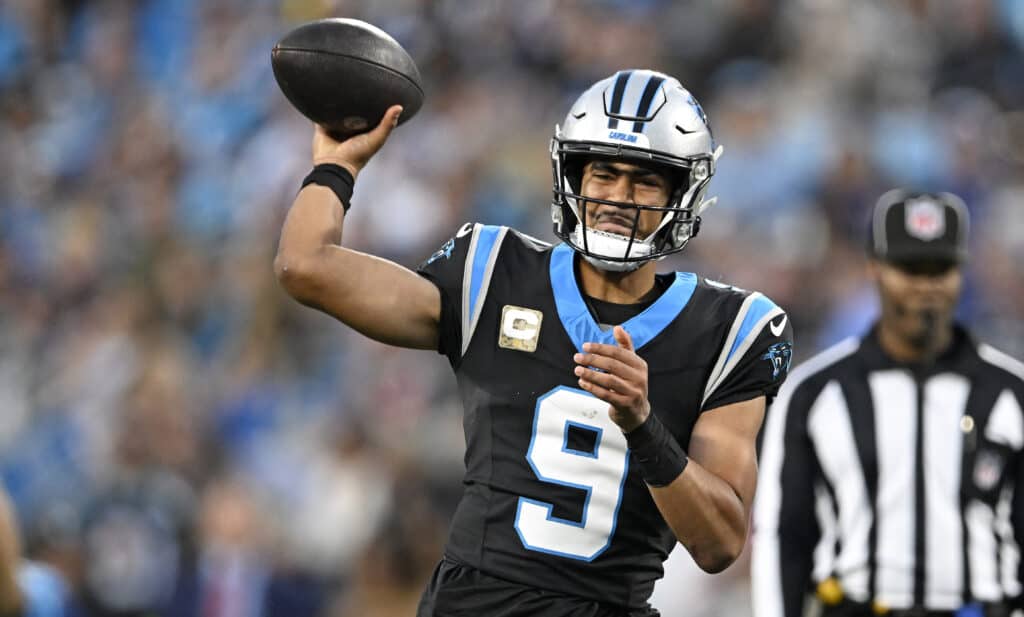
(1004, 428)
(795, 522)
(786, 528)
(1017, 519)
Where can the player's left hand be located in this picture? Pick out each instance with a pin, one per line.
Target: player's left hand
(621, 382)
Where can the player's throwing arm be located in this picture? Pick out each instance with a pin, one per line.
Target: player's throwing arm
(348, 75)
(374, 296)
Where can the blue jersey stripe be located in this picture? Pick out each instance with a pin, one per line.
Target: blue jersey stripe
(757, 310)
(484, 245)
(579, 324)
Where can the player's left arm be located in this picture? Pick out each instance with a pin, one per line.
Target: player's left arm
(708, 505)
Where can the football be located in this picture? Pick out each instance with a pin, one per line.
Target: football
(345, 73)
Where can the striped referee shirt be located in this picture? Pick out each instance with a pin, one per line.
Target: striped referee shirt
(905, 483)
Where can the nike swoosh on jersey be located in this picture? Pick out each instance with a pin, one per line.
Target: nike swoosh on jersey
(777, 328)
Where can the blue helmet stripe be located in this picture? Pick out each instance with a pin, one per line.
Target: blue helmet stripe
(617, 92)
(653, 83)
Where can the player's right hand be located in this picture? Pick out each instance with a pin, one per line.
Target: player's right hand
(355, 152)
(621, 380)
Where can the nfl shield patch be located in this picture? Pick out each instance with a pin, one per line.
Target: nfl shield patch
(926, 220)
(988, 470)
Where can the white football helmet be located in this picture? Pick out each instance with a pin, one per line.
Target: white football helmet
(637, 116)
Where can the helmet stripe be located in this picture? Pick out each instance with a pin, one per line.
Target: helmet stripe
(617, 93)
(653, 83)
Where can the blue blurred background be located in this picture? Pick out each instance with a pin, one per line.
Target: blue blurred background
(179, 438)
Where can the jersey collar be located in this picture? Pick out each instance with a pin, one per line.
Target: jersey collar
(579, 324)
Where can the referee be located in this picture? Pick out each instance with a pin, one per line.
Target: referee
(892, 475)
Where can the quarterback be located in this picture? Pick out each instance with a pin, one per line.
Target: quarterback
(610, 411)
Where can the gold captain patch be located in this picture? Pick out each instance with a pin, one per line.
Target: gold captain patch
(520, 328)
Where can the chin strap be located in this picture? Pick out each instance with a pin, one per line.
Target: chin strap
(613, 266)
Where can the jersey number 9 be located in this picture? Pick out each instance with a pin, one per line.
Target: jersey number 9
(600, 473)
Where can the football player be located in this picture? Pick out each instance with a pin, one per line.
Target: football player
(610, 411)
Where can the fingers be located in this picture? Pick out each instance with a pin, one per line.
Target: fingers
(387, 124)
(607, 364)
(374, 140)
(609, 381)
(354, 152)
(624, 355)
(613, 373)
(616, 375)
(623, 338)
(605, 394)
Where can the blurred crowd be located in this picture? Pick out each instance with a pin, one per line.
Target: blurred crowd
(179, 438)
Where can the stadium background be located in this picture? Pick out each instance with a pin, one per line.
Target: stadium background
(169, 417)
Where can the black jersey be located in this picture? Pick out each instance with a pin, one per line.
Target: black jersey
(551, 499)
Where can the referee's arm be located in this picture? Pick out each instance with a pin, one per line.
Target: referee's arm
(1017, 520)
(785, 526)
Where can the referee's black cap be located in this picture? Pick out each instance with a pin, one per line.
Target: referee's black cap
(910, 227)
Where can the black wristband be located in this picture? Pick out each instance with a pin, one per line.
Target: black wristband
(334, 177)
(660, 456)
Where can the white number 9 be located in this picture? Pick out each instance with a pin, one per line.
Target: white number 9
(601, 473)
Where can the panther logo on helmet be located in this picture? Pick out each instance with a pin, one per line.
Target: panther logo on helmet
(638, 117)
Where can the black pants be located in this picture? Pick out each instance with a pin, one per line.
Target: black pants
(457, 590)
